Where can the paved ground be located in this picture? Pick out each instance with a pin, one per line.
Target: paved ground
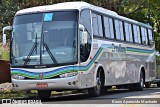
(148, 93)
(113, 98)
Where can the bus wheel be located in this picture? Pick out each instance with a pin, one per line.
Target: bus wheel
(96, 91)
(148, 84)
(44, 94)
(140, 85)
(158, 84)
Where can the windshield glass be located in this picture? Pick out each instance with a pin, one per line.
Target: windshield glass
(44, 38)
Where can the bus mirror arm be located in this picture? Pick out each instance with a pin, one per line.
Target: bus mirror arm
(4, 34)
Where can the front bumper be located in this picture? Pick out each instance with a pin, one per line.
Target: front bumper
(53, 84)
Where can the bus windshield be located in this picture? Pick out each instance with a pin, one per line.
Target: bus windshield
(44, 38)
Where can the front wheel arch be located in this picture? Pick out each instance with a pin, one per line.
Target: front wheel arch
(99, 83)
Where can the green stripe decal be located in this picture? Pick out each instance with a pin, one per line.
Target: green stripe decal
(68, 69)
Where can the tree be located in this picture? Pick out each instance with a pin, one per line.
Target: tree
(146, 11)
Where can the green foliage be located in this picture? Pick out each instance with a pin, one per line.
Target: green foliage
(4, 52)
(147, 11)
(158, 60)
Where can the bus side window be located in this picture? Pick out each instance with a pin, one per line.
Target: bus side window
(85, 19)
(150, 36)
(108, 25)
(85, 48)
(136, 34)
(119, 30)
(128, 32)
(97, 25)
(144, 36)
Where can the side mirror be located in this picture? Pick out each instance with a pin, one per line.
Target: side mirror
(4, 39)
(84, 37)
(4, 35)
(83, 34)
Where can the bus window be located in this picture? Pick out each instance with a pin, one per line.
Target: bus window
(108, 24)
(150, 36)
(111, 28)
(97, 25)
(144, 36)
(119, 30)
(100, 25)
(107, 28)
(85, 19)
(85, 48)
(136, 34)
(118, 34)
(128, 32)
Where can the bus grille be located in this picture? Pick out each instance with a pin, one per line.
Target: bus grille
(27, 78)
(152, 69)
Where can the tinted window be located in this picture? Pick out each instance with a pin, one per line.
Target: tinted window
(136, 34)
(150, 35)
(144, 35)
(128, 32)
(100, 25)
(108, 24)
(97, 25)
(111, 28)
(85, 19)
(119, 30)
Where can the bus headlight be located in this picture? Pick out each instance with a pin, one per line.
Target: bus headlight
(18, 77)
(68, 74)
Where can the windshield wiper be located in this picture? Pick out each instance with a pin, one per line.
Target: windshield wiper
(34, 48)
(50, 53)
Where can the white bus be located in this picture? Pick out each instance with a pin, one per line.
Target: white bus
(79, 46)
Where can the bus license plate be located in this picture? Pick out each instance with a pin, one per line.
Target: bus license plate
(41, 85)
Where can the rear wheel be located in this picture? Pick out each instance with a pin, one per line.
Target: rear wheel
(139, 86)
(148, 84)
(158, 84)
(44, 94)
(96, 91)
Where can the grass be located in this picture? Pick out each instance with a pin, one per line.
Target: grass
(4, 52)
(13, 94)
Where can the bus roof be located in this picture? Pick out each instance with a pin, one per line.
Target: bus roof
(79, 5)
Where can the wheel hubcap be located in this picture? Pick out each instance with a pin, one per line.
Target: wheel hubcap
(141, 82)
(98, 86)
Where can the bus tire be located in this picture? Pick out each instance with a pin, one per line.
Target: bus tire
(104, 90)
(148, 84)
(140, 85)
(44, 94)
(96, 91)
(158, 84)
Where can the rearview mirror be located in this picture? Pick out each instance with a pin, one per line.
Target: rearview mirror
(4, 39)
(84, 37)
(4, 34)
